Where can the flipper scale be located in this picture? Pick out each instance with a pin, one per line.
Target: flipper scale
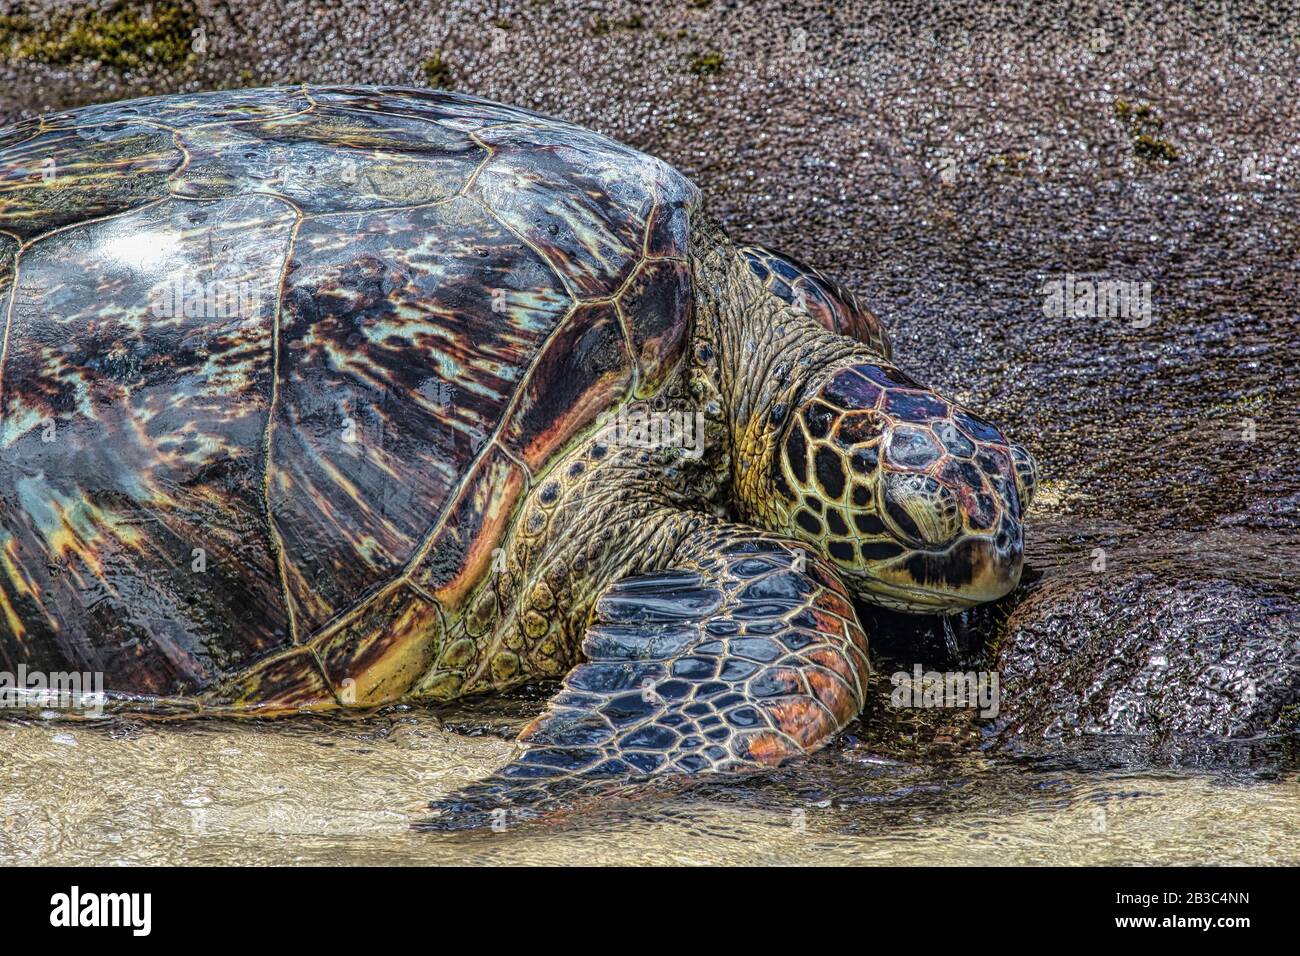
(739, 658)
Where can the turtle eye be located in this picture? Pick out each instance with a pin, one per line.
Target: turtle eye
(1026, 475)
(922, 510)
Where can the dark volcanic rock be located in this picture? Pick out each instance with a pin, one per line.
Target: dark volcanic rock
(1171, 634)
(1143, 654)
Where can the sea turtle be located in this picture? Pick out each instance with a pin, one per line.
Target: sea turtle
(330, 397)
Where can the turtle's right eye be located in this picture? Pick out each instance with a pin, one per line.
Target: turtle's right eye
(921, 510)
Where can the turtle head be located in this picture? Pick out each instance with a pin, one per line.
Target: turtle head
(918, 502)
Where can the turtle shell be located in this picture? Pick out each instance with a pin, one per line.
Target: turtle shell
(278, 364)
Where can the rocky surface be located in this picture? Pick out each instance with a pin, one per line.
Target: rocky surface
(1168, 643)
(949, 162)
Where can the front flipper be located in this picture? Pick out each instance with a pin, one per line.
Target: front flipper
(747, 652)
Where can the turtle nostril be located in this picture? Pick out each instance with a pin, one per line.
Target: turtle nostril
(921, 509)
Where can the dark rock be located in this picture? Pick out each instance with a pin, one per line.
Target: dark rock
(1167, 640)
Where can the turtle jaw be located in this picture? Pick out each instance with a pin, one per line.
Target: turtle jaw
(973, 570)
(944, 565)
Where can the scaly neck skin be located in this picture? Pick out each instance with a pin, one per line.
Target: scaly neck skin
(762, 354)
(605, 511)
(609, 509)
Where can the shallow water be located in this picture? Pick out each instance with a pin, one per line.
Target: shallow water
(348, 791)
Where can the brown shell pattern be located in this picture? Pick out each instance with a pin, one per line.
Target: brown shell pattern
(278, 364)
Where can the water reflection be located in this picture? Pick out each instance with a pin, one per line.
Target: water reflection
(347, 791)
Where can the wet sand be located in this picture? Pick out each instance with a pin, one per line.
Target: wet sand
(339, 792)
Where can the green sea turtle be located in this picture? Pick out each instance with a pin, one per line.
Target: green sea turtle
(332, 397)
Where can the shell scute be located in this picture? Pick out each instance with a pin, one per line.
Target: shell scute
(464, 548)
(581, 200)
(403, 338)
(218, 107)
(330, 161)
(668, 236)
(581, 371)
(659, 297)
(453, 110)
(374, 657)
(285, 683)
(19, 132)
(131, 464)
(64, 176)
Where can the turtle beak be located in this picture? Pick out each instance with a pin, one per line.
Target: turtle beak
(996, 565)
